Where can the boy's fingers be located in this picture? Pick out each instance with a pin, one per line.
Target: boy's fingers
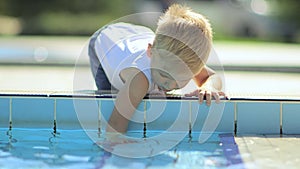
(208, 94)
(222, 94)
(208, 98)
(216, 96)
(201, 96)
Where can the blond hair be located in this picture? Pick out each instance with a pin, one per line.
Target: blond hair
(186, 34)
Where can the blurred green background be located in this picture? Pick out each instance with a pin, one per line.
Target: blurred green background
(266, 20)
(58, 17)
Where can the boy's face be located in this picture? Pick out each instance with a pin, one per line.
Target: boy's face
(169, 74)
(166, 82)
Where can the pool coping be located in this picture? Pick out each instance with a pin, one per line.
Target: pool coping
(111, 95)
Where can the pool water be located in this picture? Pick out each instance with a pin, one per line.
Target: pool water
(41, 148)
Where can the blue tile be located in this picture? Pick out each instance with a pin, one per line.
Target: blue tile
(4, 112)
(107, 106)
(258, 118)
(167, 115)
(154, 109)
(136, 122)
(32, 112)
(77, 113)
(194, 146)
(87, 111)
(220, 119)
(66, 117)
(211, 137)
(227, 122)
(291, 118)
(198, 115)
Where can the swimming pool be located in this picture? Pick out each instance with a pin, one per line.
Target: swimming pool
(35, 148)
(46, 130)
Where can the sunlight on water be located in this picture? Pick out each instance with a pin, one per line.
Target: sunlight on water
(34, 148)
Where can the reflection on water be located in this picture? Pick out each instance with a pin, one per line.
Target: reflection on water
(32, 148)
(39, 148)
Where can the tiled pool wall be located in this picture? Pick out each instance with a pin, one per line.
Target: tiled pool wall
(240, 116)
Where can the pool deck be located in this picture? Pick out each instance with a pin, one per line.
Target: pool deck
(269, 151)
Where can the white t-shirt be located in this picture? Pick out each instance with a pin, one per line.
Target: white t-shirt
(123, 45)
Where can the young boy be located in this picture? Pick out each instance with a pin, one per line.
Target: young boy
(135, 61)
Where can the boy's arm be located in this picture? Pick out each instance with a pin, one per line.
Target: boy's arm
(209, 84)
(207, 78)
(128, 98)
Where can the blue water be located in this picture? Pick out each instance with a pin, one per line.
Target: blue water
(41, 148)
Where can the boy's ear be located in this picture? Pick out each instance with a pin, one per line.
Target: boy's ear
(149, 53)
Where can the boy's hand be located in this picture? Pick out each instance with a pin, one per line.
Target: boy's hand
(112, 139)
(207, 94)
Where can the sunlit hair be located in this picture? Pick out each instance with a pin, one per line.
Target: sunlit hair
(186, 34)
